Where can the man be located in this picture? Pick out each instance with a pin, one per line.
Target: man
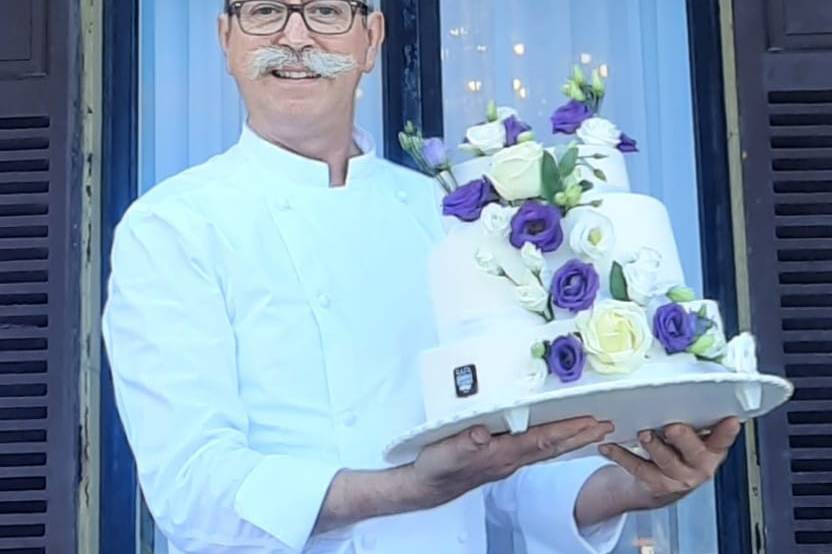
(265, 313)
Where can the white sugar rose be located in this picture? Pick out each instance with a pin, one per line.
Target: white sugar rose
(496, 220)
(487, 262)
(504, 112)
(741, 354)
(532, 258)
(616, 336)
(599, 131)
(642, 276)
(516, 172)
(591, 236)
(533, 297)
(488, 138)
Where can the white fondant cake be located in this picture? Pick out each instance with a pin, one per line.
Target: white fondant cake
(553, 274)
(482, 326)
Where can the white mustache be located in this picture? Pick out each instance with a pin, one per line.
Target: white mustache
(274, 58)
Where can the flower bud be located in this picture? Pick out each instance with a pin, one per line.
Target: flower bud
(681, 294)
(597, 83)
(578, 75)
(491, 111)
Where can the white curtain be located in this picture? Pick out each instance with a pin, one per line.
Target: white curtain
(519, 53)
(189, 107)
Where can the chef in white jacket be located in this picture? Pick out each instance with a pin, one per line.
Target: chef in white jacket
(265, 314)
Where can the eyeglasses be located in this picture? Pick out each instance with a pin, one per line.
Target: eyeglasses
(269, 17)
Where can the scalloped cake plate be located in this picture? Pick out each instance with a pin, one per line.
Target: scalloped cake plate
(698, 400)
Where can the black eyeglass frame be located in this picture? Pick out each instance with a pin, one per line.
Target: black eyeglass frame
(234, 9)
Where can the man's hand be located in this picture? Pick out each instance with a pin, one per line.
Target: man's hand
(454, 466)
(680, 462)
(448, 469)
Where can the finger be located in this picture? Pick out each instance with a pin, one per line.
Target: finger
(723, 435)
(668, 459)
(646, 472)
(472, 440)
(589, 436)
(692, 448)
(546, 437)
(542, 442)
(549, 450)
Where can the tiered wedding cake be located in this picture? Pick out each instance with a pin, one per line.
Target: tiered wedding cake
(554, 275)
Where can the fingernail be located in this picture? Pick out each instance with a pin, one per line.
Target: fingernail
(646, 437)
(605, 450)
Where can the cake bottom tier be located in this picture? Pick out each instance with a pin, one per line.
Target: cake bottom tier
(499, 366)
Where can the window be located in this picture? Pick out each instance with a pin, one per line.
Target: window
(520, 54)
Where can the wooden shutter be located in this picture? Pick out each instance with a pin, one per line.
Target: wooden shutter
(784, 66)
(39, 260)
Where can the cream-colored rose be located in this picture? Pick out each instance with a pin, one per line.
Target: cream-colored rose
(600, 132)
(496, 220)
(616, 336)
(488, 138)
(533, 296)
(532, 258)
(487, 262)
(642, 276)
(516, 171)
(592, 235)
(741, 354)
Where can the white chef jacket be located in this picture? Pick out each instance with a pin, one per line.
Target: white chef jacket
(263, 331)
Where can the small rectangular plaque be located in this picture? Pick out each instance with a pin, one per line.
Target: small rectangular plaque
(465, 380)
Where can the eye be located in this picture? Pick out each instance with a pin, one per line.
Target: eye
(326, 11)
(265, 10)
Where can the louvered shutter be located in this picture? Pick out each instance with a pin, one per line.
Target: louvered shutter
(39, 257)
(784, 65)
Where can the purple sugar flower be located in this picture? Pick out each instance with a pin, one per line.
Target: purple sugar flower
(466, 202)
(566, 358)
(538, 224)
(674, 327)
(434, 153)
(627, 144)
(514, 128)
(569, 117)
(575, 286)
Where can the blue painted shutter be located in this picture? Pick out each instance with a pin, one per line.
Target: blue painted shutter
(39, 260)
(784, 64)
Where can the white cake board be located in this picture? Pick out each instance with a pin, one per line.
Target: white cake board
(699, 400)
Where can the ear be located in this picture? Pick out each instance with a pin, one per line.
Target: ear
(224, 35)
(376, 35)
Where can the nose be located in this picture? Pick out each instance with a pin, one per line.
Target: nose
(295, 34)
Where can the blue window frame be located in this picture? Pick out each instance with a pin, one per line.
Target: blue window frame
(412, 91)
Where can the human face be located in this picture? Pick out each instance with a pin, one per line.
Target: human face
(273, 95)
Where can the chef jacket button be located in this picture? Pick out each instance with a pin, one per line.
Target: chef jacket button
(324, 301)
(402, 196)
(284, 205)
(350, 419)
(462, 538)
